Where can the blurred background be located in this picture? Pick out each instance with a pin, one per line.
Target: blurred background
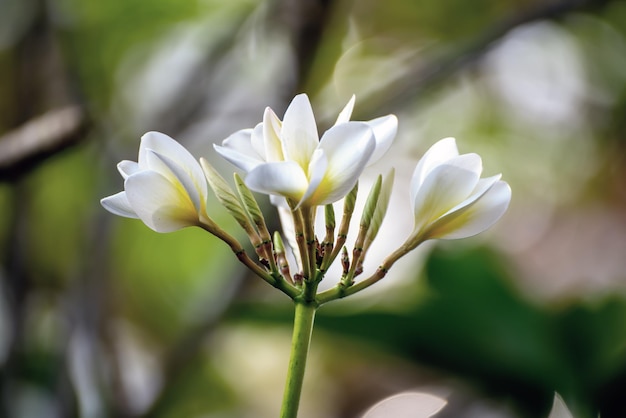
(102, 317)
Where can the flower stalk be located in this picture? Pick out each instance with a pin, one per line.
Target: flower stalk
(301, 339)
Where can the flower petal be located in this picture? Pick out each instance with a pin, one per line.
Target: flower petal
(118, 204)
(165, 146)
(481, 188)
(317, 170)
(241, 141)
(299, 131)
(444, 187)
(440, 152)
(159, 203)
(346, 113)
(284, 178)
(289, 233)
(385, 129)
(272, 126)
(127, 168)
(477, 217)
(257, 141)
(196, 192)
(348, 147)
(238, 150)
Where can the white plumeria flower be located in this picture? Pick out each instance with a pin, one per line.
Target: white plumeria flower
(288, 159)
(166, 188)
(450, 200)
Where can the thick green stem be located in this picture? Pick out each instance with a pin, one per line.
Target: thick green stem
(302, 328)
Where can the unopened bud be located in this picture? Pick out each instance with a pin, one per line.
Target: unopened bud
(281, 258)
(227, 198)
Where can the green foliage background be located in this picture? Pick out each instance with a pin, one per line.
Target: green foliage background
(101, 317)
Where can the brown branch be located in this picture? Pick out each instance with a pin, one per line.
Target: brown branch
(28, 145)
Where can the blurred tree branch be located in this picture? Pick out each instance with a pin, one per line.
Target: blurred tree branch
(425, 77)
(25, 147)
(40, 82)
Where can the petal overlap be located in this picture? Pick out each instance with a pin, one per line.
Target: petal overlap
(165, 188)
(328, 168)
(450, 200)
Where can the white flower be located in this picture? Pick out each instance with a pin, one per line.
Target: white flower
(288, 159)
(449, 198)
(166, 188)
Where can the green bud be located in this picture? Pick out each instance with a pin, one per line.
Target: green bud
(371, 204)
(329, 215)
(281, 258)
(252, 207)
(227, 198)
(350, 200)
(279, 246)
(381, 209)
(348, 208)
(329, 212)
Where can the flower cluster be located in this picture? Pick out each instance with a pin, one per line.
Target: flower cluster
(167, 188)
(287, 158)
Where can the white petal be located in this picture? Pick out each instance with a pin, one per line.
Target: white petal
(299, 131)
(407, 405)
(281, 178)
(348, 147)
(245, 161)
(317, 170)
(272, 126)
(477, 217)
(161, 205)
(127, 168)
(289, 234)
(118, 204)
(385, 129)
(241, 141)
(167, 147)
(279, 202)
(346, 113)
(257, 142)
(162, 144)
(444, 187)
(481, 188)
(440, 152)
(182, 176)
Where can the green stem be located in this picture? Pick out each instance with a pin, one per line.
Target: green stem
(302, 328)
(342, 289)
